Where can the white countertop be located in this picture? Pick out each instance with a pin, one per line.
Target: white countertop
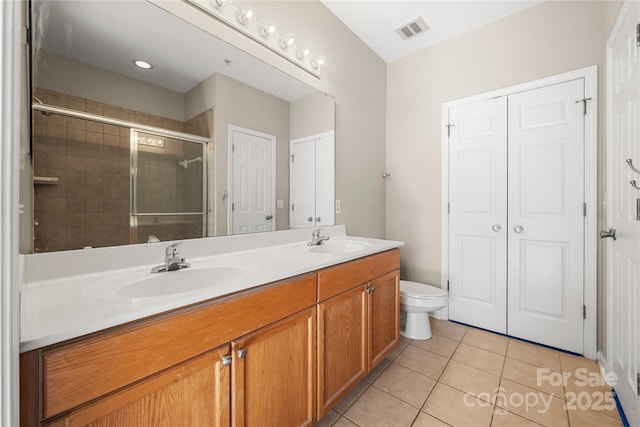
(66, 306)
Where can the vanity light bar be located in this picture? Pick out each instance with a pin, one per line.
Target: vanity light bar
(244, 20)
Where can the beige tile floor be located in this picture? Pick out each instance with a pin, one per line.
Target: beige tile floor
(472, 378)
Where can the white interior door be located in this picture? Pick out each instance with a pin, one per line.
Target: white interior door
(623, 254)
(478, 214)
(546, 215)
(312, 181)
(325, 181)
(252, 182)
(302, 183)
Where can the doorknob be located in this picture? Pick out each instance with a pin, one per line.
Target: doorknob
(310, 219)
(268, 217)
(518, 228)
(318, 219)
(496, 227)
(609, 233)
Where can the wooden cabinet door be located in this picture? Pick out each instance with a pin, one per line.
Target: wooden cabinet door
(342, 345)
(384, 311)
(273, 379)
(193, 393)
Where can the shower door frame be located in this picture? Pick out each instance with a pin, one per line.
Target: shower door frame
(133, 157)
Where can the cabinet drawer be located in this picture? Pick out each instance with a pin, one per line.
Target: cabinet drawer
(82, 371)
(337, 279)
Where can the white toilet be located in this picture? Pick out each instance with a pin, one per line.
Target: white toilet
(417, 300)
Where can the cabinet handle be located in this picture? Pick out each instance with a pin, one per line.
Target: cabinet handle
(373, 288)
(370, 289)
(242, 353)
(226, 360)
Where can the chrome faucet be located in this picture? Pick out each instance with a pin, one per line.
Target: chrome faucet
(316, 238)
(172, 260)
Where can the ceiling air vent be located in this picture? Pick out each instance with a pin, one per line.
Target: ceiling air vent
(412, 29)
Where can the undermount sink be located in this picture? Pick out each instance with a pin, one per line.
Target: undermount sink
(340, 247)
(150, 285)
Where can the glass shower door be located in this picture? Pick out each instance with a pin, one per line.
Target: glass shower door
(168, 188)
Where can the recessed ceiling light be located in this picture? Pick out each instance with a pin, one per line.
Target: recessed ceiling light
(142, 64)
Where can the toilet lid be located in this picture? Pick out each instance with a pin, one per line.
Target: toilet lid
(420, 290)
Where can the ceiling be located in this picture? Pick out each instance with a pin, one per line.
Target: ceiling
(110, 37)
(375, 21)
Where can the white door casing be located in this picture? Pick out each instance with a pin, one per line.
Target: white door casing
(623, 254)
(546, 215)
(478, 214)
(589, 76)
(251, 181)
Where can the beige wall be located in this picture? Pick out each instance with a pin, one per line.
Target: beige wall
(82, 80)
(311, 115)
(547, 39)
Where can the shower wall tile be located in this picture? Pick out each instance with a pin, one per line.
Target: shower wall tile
(90, 204)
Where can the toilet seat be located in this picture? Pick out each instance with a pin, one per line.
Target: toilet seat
(420, 290)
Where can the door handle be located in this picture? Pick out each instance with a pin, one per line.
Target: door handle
(633, 168)
(318, 219)
(268, 217)
(310, 219)
(496, 227)
(518, 228)
(609, 233)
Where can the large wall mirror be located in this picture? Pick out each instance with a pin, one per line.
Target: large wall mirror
(200, 143)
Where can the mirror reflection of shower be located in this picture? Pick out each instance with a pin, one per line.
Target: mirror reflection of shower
(84, 174)
(168, 187)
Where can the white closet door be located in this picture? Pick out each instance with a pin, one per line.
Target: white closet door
(623, 254)
(546, 220)
(325, 181)
(302, 183)
(478, 214)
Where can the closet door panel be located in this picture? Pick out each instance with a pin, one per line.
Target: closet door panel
(546, 222)
(477, 221)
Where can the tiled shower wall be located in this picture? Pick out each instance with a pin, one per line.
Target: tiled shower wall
(90, 204)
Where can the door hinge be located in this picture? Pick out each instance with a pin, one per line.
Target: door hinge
(638, 383)
(293, 158)
(449, 126)
(233, 148)
(638, 35)
(293, 208)
(584, 104)
(448, 208)
(233, 207)
(584, 311)
(584, 210)
(447, 286)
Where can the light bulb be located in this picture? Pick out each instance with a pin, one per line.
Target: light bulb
(318, 62)
(303, 52)
(268, 29)
(142, 64)
(246, 14)
(287, 41)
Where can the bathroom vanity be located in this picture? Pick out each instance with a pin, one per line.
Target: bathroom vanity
(278, 352)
